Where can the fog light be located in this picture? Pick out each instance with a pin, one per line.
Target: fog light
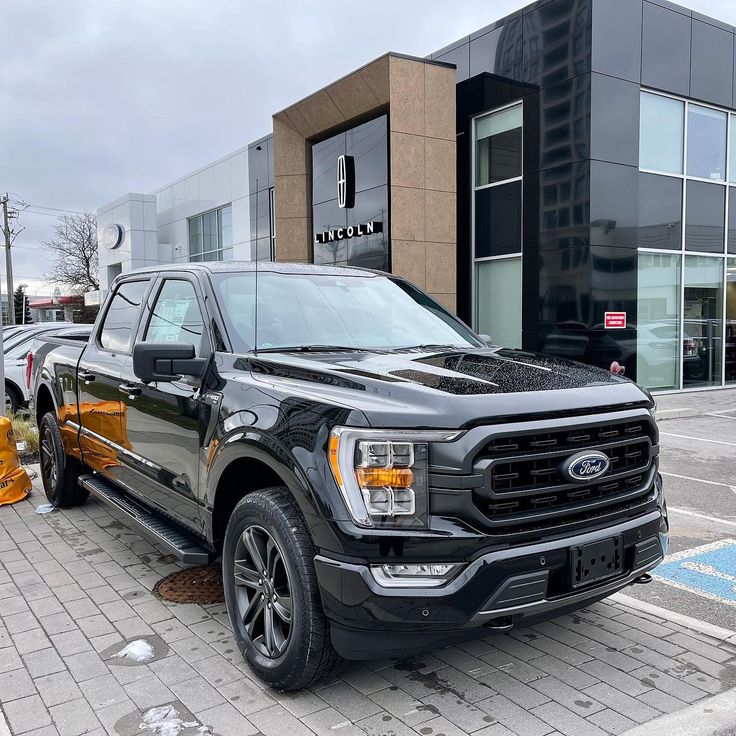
(428, 575)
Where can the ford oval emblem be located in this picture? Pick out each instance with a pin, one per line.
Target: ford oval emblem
(585, 466)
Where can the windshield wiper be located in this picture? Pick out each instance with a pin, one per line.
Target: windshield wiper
(432, 346)
(311, 349)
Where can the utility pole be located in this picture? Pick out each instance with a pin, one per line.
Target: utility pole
(8, 258)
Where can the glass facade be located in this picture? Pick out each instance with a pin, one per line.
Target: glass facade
(658, 327)
(703, 321)
(211, 234)
(661, 133)
(498, 282)
(497, 223)
(686, 227)
(730, 347)
(367, 144)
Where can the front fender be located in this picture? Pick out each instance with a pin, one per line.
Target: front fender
(304, 472)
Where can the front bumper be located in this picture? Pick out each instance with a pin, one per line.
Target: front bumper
(498, 590)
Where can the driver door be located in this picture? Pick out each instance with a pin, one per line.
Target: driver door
(164, 419)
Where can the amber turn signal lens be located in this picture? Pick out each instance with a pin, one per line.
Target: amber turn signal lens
(383, 477)
(332, 455)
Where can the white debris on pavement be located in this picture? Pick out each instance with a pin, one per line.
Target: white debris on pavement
(45, 508)
(139, 651)
(164, 721)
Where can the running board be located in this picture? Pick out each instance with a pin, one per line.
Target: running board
(151, 525)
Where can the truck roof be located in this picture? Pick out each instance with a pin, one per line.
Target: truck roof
(262, 266)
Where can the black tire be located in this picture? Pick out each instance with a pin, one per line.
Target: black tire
(59, 472)
(303, 654)
(13, 400)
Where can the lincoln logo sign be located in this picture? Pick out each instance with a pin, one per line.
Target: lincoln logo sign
(586, 466)
(349, 231)
(345, 182)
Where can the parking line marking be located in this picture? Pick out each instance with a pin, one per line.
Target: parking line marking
(704, 570)
(701, 516)
(698, 439)
(699, 480)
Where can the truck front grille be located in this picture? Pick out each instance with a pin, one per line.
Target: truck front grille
(524, 485)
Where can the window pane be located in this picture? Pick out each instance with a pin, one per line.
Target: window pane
(498, 299)
(122, 316)
(660, 212)
(661, 133)
(706, 143)
(731, 320)
(498, 146)
(209, 231)
(732, 220)
(226, 227)
(702, 321)
(732, 150)
(705, 217)
(195, 237)
(658, 328)
(176, 316)
(498, 220)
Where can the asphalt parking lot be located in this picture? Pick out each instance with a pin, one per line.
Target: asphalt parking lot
(698, 464)
(76, 588)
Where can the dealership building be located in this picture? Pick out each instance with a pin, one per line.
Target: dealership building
(563, 179)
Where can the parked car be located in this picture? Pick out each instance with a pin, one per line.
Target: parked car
(377, 479)
(16, 344)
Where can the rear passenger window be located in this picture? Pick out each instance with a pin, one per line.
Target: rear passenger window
(176, 316)
(122, 316)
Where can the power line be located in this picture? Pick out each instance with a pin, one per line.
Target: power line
(55, 209)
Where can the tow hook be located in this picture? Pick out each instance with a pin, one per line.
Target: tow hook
(644, 579)
(500, 624)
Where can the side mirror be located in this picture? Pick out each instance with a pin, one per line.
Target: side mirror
(487, 340)
(166, 361)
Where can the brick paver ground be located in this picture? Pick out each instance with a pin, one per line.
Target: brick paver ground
(75, 587)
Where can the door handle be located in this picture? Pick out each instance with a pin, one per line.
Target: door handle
(130, 389)
(86, 376)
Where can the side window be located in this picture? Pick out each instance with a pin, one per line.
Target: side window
(122, 316)
(20, 350)
(176, 316)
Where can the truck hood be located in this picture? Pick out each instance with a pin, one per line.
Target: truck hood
(447, 388)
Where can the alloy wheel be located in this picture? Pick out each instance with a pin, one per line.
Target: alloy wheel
(263, 591)
(48, 458)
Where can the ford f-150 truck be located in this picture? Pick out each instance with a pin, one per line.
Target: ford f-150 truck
(377, 478)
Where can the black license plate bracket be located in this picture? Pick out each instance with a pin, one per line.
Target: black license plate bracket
(596, 561)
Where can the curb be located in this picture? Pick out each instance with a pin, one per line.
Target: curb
(709, 717)
(715, 632)
(664, 414)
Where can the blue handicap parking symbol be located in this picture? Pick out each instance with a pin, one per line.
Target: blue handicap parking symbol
(709, 570)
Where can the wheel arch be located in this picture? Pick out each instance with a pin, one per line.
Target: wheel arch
(43, 402)
(241, 477)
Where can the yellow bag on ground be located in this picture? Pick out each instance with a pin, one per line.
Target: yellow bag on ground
(15, 484)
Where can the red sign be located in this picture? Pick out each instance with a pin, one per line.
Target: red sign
(614, 320)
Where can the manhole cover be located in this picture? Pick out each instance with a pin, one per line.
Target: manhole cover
(194, 585)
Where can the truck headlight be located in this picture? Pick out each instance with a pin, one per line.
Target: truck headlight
(383, 474)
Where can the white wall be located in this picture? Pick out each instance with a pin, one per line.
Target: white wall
(155, 225)
(220, 183)
(136, 214)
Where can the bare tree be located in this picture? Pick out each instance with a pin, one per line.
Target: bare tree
(75, 253)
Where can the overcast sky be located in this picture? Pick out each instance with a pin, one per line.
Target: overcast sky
(103, 97)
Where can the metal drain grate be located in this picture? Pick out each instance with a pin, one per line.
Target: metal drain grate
(194, 585)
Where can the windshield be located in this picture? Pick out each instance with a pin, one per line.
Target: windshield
(361, 312)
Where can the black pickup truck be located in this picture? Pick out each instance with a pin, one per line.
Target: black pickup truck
(377, 478)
